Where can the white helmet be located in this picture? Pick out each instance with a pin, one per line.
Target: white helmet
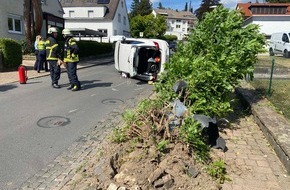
(51, 30)
(66, 32)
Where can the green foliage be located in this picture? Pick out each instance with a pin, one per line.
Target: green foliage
(161, 146)
(25, 49)
(11, 51)
(218, 171)
(119, 135)
(151, 26)
(169, 37)
(212, 65)
(190, 133)
(205, 7)
(140, 7)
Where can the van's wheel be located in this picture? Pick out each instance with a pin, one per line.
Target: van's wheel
(271, 52)
(286, 54)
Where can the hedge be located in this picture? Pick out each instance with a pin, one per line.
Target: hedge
(12, 52)
(93, 48)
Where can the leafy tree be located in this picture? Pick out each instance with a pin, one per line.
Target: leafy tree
(212, 65)
(32, 15)
(160, 6)
(206, 6)
(152, 27)
(134, 8)
(186, 7)
(144, 8)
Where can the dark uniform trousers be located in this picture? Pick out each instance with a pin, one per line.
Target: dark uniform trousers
(72, 74)
(54, 71)
(41, 60)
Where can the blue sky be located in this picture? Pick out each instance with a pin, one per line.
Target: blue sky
(180, 4)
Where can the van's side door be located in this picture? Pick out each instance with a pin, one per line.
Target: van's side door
(284, 42)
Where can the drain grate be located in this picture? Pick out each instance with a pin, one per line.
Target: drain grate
(53, 122)
(112, 101)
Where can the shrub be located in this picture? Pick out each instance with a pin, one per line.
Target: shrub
(169, 37)
(212, 65)
(93, 48)
(12, 52)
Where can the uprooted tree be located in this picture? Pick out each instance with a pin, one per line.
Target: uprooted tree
(218, 54)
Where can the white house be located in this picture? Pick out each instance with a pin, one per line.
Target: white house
(109, 17)
(271, 17)
(11, 18)
(179, 23)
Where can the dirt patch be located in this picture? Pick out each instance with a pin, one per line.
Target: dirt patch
(144, 168)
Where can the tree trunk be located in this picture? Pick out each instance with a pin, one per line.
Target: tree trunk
(27, 23)
(38, 16)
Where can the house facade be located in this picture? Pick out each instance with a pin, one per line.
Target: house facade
(11, 18)
(109, 17)
(271, 17)
(179, 23)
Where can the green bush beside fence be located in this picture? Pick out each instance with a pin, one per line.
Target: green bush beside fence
(93, 48)
(11, 53)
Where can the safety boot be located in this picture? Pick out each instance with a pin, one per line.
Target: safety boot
(75, 88)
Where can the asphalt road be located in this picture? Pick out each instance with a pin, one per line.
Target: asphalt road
(38, 122)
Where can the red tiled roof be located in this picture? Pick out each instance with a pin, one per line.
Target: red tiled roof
(245, 7)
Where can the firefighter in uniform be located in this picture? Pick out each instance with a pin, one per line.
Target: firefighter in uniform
(53, 56)
(71, 59)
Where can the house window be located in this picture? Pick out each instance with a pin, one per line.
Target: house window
(119, 17)
(124, 20)
(71, 13)
(90, 13)
(178, 20)
(104, 31)
(122, 4)
(177, 26)
(173, 22)
(14, 24)
(269, 10)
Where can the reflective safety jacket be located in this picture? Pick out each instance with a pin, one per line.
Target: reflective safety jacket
(41, 45)
(52, 49)
(71, 50)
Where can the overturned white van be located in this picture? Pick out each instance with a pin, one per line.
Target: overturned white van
(280, 44)
(141, 58)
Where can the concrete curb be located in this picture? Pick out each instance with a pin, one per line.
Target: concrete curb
(275, 127)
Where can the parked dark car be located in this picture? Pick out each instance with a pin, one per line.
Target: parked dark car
(172, 45)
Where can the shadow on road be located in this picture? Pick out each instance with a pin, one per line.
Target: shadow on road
(93, 84)
(7, 87)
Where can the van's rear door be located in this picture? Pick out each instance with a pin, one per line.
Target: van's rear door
(123, 57)
(116, 55)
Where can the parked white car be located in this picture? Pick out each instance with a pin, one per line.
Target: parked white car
(280, 44)
(141, 58)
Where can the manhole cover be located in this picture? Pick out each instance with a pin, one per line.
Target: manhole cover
(112, 101)
(53, 121)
